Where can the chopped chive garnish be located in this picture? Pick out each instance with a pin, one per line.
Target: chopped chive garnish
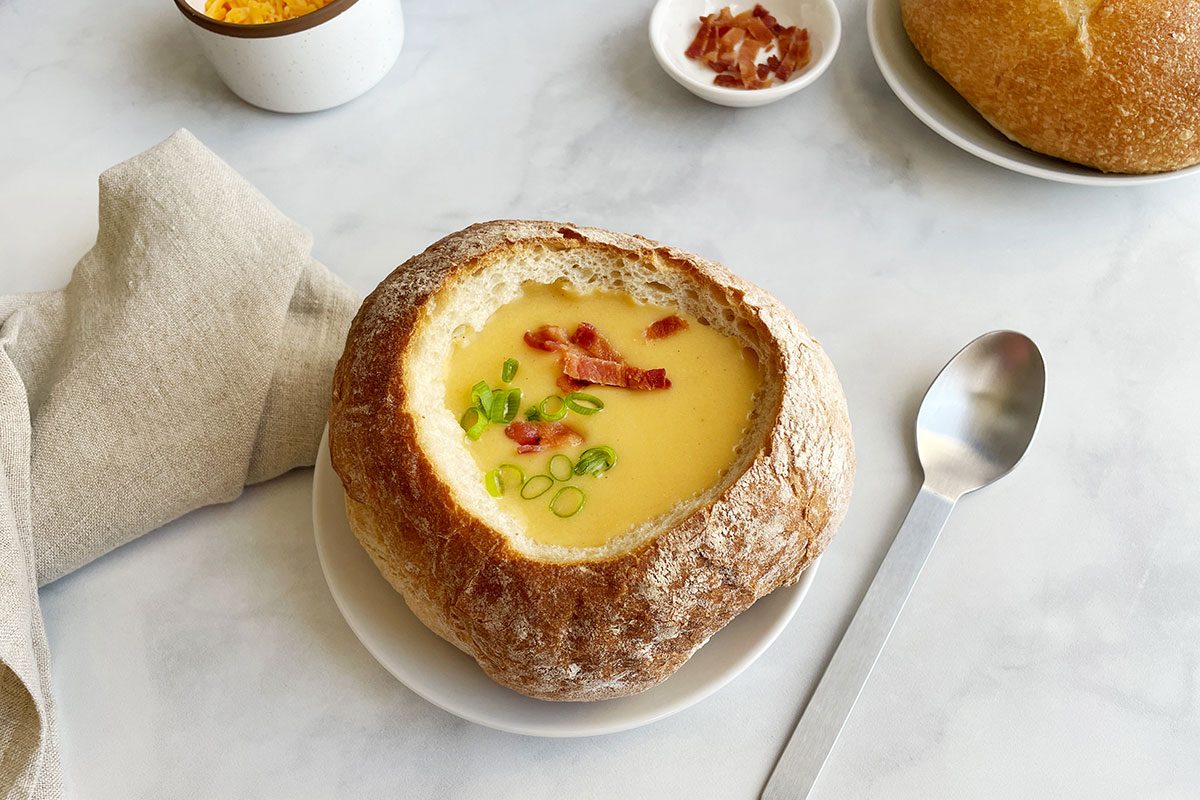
(561, 468)
(536, 486)
(568, 507)
(509, 370)
(595, 460)
(473, 422)
(497, 482)
(481, 396)
(582, 403)
(532, 414)
(545, 412)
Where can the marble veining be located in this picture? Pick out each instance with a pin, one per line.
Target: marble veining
(1052, 647)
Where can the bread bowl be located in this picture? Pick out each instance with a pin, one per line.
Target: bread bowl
(682, 551)
(1111, 84)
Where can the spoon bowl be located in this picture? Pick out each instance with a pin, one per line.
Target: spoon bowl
(980, 413)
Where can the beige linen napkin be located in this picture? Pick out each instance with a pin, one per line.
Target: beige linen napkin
(190, 355)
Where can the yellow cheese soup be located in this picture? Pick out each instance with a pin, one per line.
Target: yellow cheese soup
(642, 453)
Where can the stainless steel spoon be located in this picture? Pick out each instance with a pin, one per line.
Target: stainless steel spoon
(975, 423)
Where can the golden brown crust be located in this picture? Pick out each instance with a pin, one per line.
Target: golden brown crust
(1113, 84)
(593, 629)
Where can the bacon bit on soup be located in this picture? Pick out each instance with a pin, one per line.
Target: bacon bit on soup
(588, 369)
(731, 46)
(548, 337)
(585, 368)
(566, 384)
(534, 437)
(647, 379)
(587, 357)
(595, 345)
(667, 326)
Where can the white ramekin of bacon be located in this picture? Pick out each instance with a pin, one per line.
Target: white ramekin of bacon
(744, 55)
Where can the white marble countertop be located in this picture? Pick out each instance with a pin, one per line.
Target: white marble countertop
(1052, 647)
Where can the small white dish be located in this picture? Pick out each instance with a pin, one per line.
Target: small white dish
(310, 63)
(451, 680)
(673, 25)
(935, 103)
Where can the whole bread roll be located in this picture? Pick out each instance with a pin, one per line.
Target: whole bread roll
(1112, 84)
(576, 623)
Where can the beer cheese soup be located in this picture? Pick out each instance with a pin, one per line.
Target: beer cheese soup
(588, 414)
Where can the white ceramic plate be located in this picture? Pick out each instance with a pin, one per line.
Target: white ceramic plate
(936, 104)
(451, 680)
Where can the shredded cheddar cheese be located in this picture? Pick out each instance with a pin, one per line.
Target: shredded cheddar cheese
(256, 12)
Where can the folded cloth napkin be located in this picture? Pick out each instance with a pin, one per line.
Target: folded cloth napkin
(189, 356)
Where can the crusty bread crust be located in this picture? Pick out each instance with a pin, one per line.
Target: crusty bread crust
(611, 622)
(1112, 84)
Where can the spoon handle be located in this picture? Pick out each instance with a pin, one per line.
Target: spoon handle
(855, 657)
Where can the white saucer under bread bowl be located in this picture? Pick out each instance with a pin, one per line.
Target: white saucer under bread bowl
(309, 63)
(935, 103)
(673, 25)
(451, 680)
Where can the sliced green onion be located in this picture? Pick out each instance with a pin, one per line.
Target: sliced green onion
(496, 482)
(536, 486)
(557, 414)
(509, 370)
(582, 403)
(481, 396)
(495, 409)
(565, 468)
(565, 508)
(473, 422)
(595, 460)
(532, 414)
(512, 405)
(505, 405)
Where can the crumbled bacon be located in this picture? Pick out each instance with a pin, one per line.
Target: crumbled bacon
(747, 68)
(793, 44)
(612, 373)
(731, 46)
(704, 38)
(587, 337)
(667, 326)
(548, 337)
(759, 31)
(566, 384)
(647, 379)
(533, 437)
(590, 369)
(587, 357)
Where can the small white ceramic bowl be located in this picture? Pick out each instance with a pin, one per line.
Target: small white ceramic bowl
(673, 25)
(308, 63)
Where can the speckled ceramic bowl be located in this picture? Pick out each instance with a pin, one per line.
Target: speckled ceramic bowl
(309, 63)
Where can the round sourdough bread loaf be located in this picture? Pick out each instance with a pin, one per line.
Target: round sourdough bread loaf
(569, 623)
(1112, 84)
